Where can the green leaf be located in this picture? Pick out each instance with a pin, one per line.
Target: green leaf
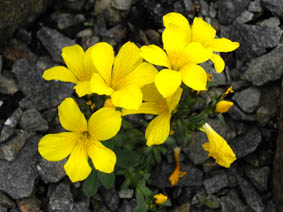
(142, 207)
(167, 203)
(157, 154)
(127, 158)
(91, 185)
(107, 180)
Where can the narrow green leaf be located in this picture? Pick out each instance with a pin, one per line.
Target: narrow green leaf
(140, 201)
(107, 180)
(157, 154)
(91, 185)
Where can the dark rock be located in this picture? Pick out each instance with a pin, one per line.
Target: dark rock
(270, 22)
(275, 6)
(245, 17)
(3, 209)
(230, 9)
(80, 207)
(6, 133)
(17, 177)
(29, 204)
(248, 99)
(14, 13)
(259, 177)
(51, 172)
(122, 4)
(6, 201)
(266, 68)
(216, 183)
(255, 6)
(40, 94)
(189, 6)
(194, 151)
(65, 20)
(212, 201)
(254, 39)
(110, 198)
(250, 194)
(54, 42)
(192, 178)
(126, 193)
(7, 86)
(247, 143)
(232, 202)
(270, 207)
(236, 113)
(13, 120)
(217, 78)
(263, 116)
(32, 121)
(61, 200)
(128, 206)
(204, 8)
(10, 149)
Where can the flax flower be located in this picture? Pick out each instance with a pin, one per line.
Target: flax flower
(159, 128)
(79, 69)
(82, 141)
(203, 33)
(181, 58)
(217, 147)
(160, 198)
(123, 82)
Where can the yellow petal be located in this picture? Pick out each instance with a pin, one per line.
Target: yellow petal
(83, 88)
(177, 19)
(129, 97)
(109, 103)
(155, 55)
(173, 100)
(158, 129)
(160, 198)
(60, 73)
(223, 106)
(70, 116)
(195, 53)
(145, 108)
(127, 59)
(224, 45)
(74, 59)
(104, 123)
(103, 158)
(151, 94)
(218, 148)
(103, 58)
(167, 82)
(56, 147)
(142, 75)
(219, 63)
(174, 39)
(99, 86)
(202, 32)
(88, 62)
(195, 77)
(77, 167)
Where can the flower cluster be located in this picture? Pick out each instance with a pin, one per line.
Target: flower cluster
(130, 83)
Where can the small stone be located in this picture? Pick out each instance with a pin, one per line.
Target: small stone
(247, 143)
(3, 209)
(204, 8)
(192, 178)
(85, 33)
(245, 17)
(10, 149)
(122, 4)
(29, 204)
(236, 113)
(189, 6)
(263, 116)
(212, 10)
(61, 200)
(7, 86)
(212, 201)
(248, 99)
(128, 206)
(251, 196)
(65, 20)
(255, 6)
(216, 183)
(230, 9)
(32, 121)
(110, 198)
(54, 42)
(232, 202)
(13, 120)
(6, 133)
(80, 207)
(275, 6)
(259, 177)
(6, 201)
(126, 193)
(270, 22)
(266, 68)
(51, 172)
(17, 177)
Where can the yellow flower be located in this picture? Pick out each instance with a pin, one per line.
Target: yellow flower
(177, 174)
(158, 129)
(160, 198)
(79, 69)
(123, 83)
(82, 141)
(218, 148)
(203, 33)
(223, 106)
(181, 58)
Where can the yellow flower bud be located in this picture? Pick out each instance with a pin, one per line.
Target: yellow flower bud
(223, 106)
(160, 198)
